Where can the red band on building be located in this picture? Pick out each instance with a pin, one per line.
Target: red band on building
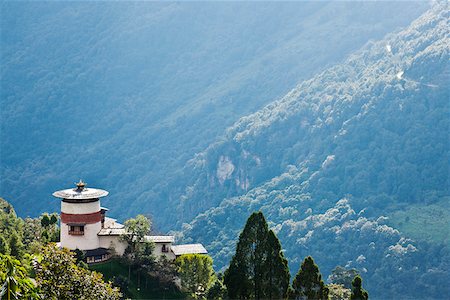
(81, 218)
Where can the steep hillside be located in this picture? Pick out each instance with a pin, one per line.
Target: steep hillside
(123, 95)
(333, 163)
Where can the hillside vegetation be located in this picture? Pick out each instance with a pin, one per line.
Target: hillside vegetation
(124, 95)
(338, 160)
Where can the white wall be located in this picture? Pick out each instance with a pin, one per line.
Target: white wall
(88, 241)
(114, 241)
(80, 208)
(158, 251)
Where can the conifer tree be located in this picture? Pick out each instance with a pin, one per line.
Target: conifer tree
(258, 269)
(358, 293)
(53, 219)
(45, 221)
(278, 270)
(308, 283)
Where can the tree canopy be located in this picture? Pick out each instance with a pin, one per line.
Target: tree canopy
(196, 274)
(58, 277)
(258, 269)
(358, 293)
(308, 283)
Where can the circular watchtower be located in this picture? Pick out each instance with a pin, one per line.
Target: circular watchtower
(81, 216)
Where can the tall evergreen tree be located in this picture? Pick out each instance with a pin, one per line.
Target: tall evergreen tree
(308, 283)
(278, 270)
(45, 220)
(358, 293)
(258, 269)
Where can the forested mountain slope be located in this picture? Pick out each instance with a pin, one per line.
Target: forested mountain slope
(336, 162)
(122, 95)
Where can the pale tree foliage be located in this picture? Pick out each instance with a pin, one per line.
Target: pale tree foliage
(139, 251)
(338, 292)
(58, 277)
(196, 274)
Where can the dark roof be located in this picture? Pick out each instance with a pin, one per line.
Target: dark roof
(95, 252)
(76, 224)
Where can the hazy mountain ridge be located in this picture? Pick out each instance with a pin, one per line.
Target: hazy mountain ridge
(123, 95)
(321, 117)
(373, 141)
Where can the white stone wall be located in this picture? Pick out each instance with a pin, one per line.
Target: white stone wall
(113, 241)
(158, 251)
(88, 241)
(80, 208)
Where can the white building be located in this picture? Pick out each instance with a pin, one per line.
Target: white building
(84, 226)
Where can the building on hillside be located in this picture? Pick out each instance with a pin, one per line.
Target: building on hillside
(85, 226)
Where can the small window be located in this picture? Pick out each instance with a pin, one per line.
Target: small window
(76, 230)
(164, 248)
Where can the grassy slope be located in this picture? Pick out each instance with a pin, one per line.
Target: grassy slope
(152, 290)
(424, 222)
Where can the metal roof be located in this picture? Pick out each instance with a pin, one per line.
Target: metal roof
(160, 238)
(111, 223)
(188, 249)
(111, 231)
(80, 192)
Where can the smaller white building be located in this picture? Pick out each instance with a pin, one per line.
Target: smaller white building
(84, 226)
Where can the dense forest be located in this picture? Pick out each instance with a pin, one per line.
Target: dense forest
(196, 125)
(361, 152)
(33, 267)
(124, 95)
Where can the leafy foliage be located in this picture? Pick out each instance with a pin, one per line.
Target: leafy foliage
(338, 292)
(218, 291)
(15, 283)
(139, 251)
(58, 277)
(342, 276)
(196, 274)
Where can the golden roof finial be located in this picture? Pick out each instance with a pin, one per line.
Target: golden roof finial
(81, 185)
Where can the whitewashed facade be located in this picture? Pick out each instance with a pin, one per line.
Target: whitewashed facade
(84, 226)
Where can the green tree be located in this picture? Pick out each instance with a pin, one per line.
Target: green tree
(15, 245)
(137, 228)
(218, 290)
(308, 283)
(11, 228)
(338, 292)
(4, 246)
(53, 219)
(166, 271)
(15, 283)
(196, 274)
(343, 276)
(60, 278)
(45, 220)
(258, 269)
(139, 250)
(358, 293)
(278, 276)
